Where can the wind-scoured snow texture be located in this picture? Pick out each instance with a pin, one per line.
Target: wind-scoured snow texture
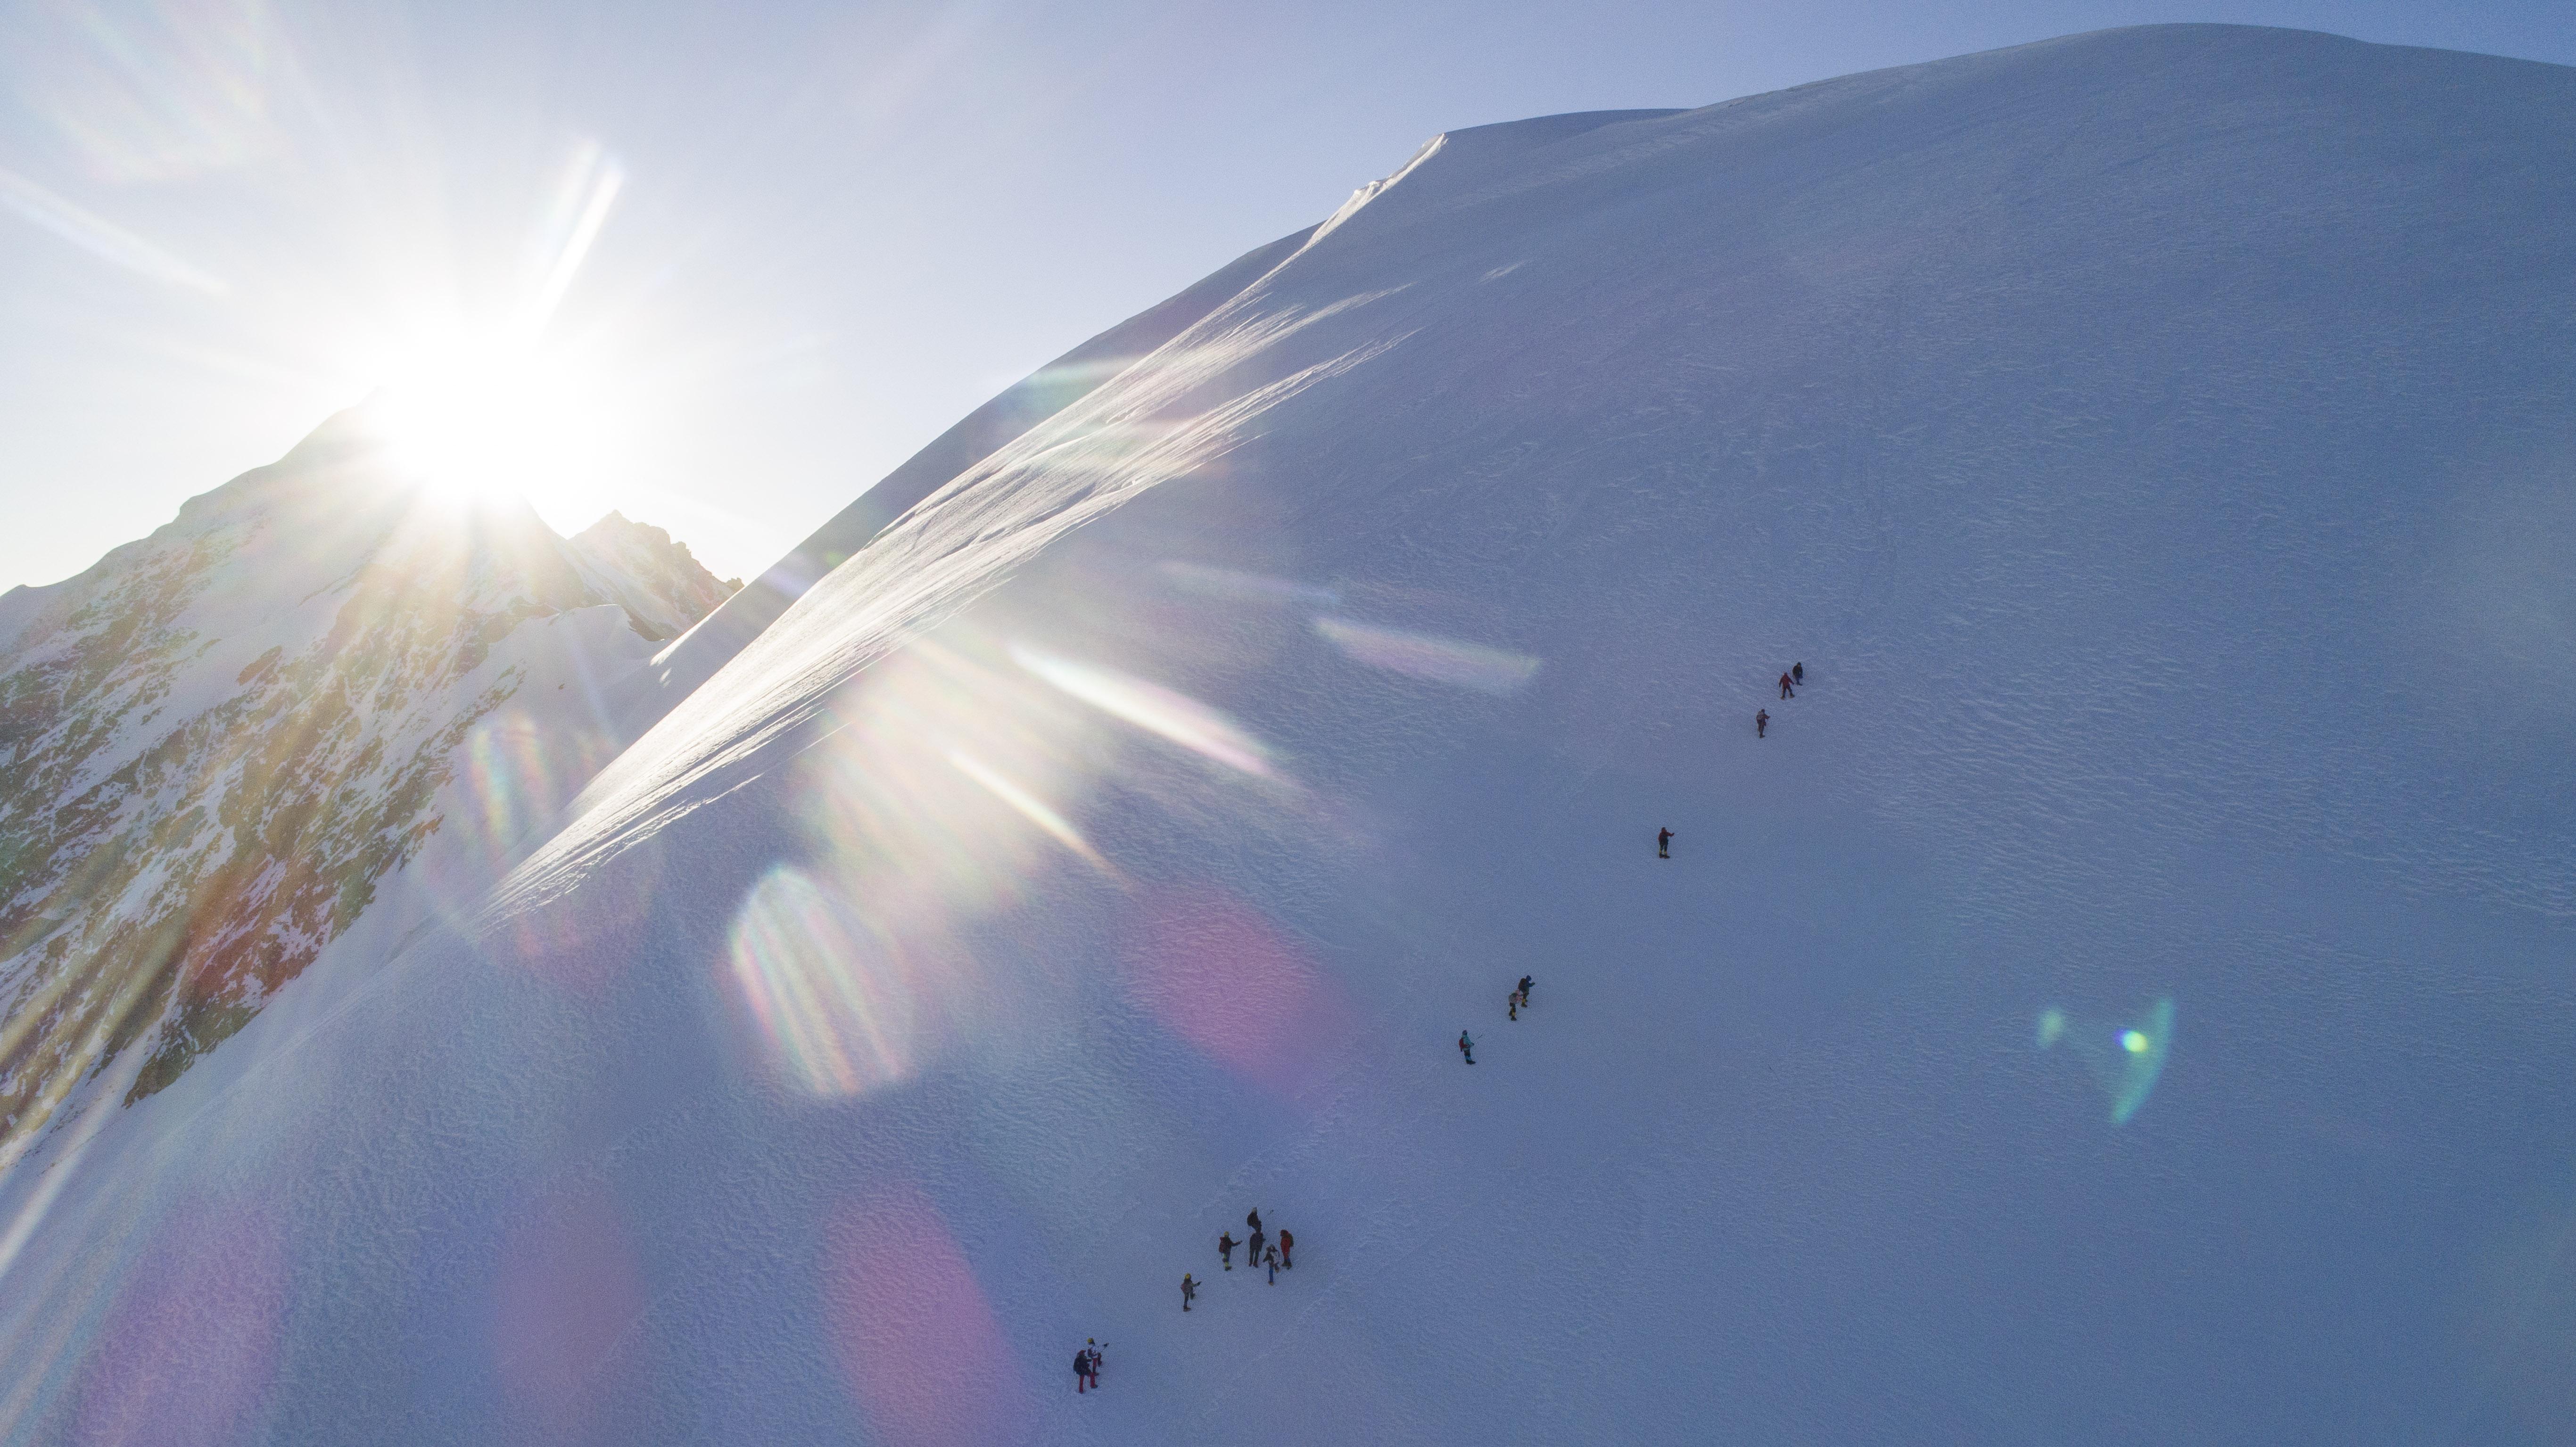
(216, 744)
(2124, 999)
(976, 436)
(659, 583)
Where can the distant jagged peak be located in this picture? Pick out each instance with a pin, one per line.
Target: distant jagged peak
(336, 510)
(660, 583)
(217, 741)
(615, 531)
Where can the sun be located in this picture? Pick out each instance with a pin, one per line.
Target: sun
(490, 418)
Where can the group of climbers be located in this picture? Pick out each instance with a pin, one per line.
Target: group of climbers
(1790, 683)
(1513, 1005)
(1086, 1367)
(1260, 1252)
(1279, 1254)
(1263, 1254)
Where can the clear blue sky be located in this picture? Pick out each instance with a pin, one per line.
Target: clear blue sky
(820, 233)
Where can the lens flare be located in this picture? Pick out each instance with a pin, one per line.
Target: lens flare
(832, 997)
(1236, 587)
(931, 799)
(517, 774)
(2124, 1060)
(516, 777)
(1031, 808)
(938, 796)
(156, 92)
(101, 237)
(566, 1299)
(190, 1350)
(584, 191)
(910, 1327)
(1218, 974)
(1159, 711)
(1434, 659)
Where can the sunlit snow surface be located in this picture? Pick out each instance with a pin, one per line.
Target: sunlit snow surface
(2153, 444)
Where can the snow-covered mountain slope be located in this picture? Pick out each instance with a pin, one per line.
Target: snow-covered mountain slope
(218, 743)
(2123, 998)
(1052, 388)
(660, 584)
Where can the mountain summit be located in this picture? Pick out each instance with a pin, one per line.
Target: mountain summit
(2116, 991)
(662, 587)
(217, 743)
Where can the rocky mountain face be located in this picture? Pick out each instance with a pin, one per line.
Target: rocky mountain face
(659, 583)
(217, 742)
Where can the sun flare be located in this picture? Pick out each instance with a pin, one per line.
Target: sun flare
(486, 418)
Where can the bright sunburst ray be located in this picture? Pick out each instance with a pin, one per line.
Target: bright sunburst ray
(1031, 808)
(483, 411)
(1157, 710)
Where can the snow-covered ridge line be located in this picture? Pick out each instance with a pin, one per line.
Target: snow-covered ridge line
(695, 658)
(964, 540)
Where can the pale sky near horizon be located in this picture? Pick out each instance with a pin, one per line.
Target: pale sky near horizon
(773, 248)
